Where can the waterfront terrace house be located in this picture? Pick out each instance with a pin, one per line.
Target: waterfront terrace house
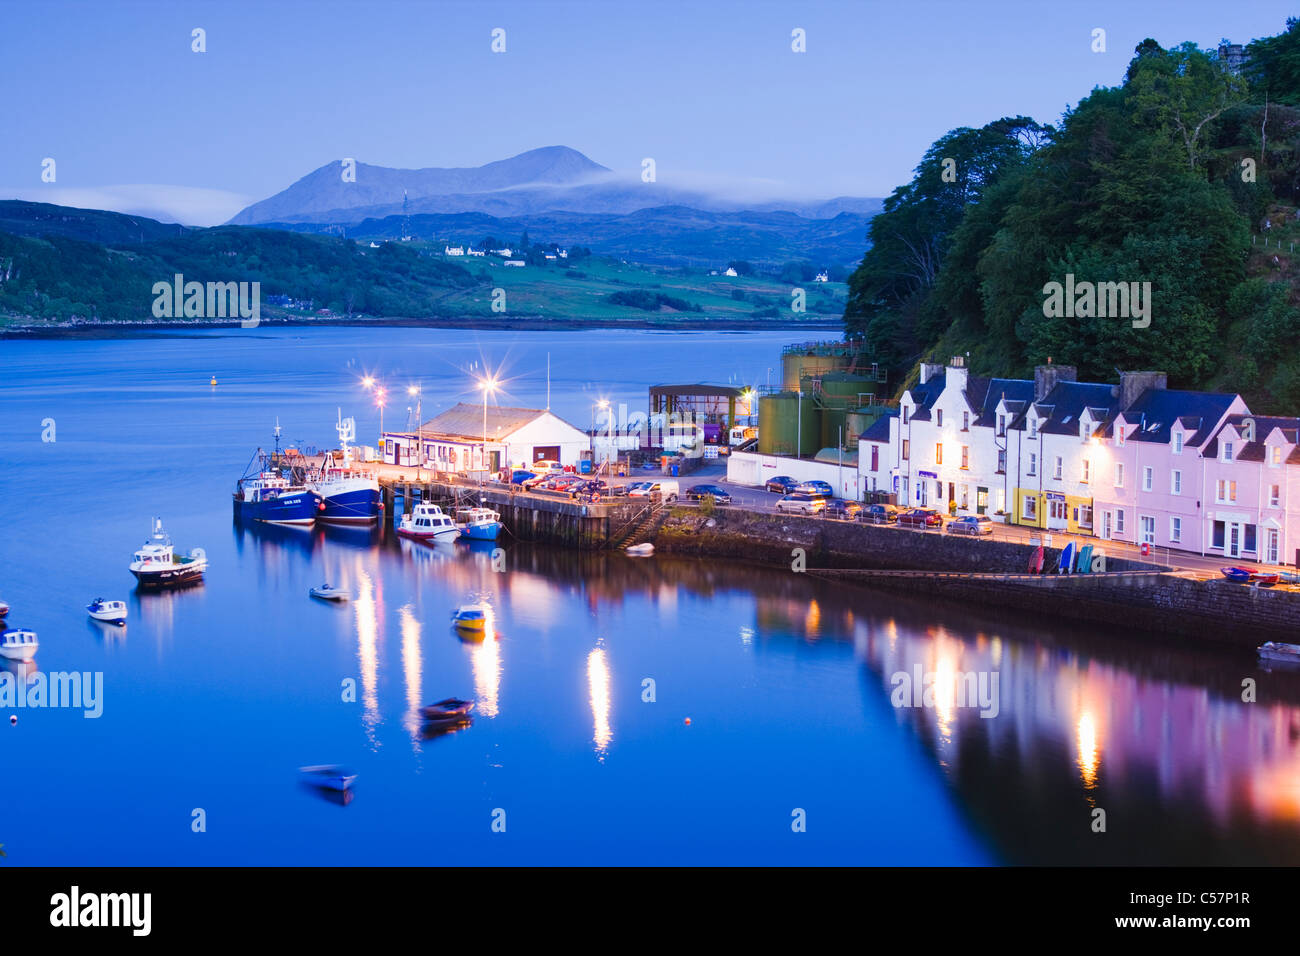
(948, 442)
(1150, 473)
(1052, 453)
(1252, 489)
(454, 440)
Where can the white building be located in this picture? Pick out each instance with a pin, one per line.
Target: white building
(457, 440)
(821, 277)
(453, 250)
(730, 272)
(515, 262)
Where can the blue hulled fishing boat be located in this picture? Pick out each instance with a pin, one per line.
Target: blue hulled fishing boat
(270, 496)
(351, 496)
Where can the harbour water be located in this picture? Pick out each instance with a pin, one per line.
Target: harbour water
(213, 696)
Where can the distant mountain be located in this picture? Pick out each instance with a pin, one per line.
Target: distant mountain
(324, 195)
(664, 235)
(550, 180)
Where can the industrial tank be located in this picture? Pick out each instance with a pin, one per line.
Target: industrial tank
(786, 425)
(799, 364)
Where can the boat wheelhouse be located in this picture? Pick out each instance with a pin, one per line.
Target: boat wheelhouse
(18, 644)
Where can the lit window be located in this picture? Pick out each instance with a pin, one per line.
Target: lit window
(1274, 495)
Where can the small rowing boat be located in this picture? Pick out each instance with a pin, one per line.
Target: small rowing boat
(1282, 653)
(470, 617)
(328, 592)
(641, 550)
(1241, 575)
(1265, 579)
(329, 776)
(453, 708)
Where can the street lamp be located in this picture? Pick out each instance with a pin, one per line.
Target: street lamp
(488, 385)
(379, 400)
(414, 391)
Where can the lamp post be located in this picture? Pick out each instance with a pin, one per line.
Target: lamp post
(379, 400)
(488, 385)
(603, 405)
(414, 391)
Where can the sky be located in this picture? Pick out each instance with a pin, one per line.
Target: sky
(136, 121)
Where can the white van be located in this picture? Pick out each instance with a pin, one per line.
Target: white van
(669, 489)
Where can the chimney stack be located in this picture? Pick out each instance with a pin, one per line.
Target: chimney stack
(1133, 384)
(1046, 377)
(929, 370)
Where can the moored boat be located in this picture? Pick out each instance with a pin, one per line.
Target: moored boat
(643, 550)
(478, 524)
(469, 617)
(1265, 579)
(348, 495)
(1279, 652)
(453, 708)
(328, 593)
(18, 644)
(1236, 574)
(330, 776)
(112, 611)
(269, 495)
(428, 523)
(4, 609)
(156, 564)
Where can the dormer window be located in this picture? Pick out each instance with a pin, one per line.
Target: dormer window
(1275, 455)
(1083, 431)
(965, 421)
(938, 417)
(1002, 425)
(906, 414)
(1178, 443)
(1227, 451)
(1033, 428)
(1120, 430)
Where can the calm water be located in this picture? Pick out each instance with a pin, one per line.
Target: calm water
(213, 696)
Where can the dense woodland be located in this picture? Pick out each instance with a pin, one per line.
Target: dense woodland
(1177, 177)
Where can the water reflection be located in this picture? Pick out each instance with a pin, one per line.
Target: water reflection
(486, 662)
(411, 669)
(598, 682)
(366, 609)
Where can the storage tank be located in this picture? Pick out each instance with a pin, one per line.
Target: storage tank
(841, 389)
(813, 361)
(786, 425)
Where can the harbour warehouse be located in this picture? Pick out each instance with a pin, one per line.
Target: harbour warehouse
(468, 439)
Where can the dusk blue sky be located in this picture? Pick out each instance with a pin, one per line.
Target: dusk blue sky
(710, 90)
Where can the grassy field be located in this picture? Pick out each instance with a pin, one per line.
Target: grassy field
(554, 291)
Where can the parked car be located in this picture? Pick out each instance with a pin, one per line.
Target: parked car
(782, 484)
(921, 518)
(843, 508)
(589, 487)
(638, 489)
(802, 504)
(562, 482)
(971, 524)
(822, 488)
(519, 477)
(719, 494)
(546, 465)
(880, 514)
(647, 489)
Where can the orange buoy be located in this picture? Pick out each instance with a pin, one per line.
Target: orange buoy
(688, 721)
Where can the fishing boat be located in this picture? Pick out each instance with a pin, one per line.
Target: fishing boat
(328, 592)
(113, 612)
(453, 708)
(18, 644)
(4, 609)
(478, 524)
(643, 550)
(428, 523)
(349, 495)
(156, 564)
(270, 496)
(330, 776)
(469, 617)
(1282, 653)
(1236, 574)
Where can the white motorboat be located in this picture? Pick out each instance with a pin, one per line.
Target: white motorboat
(18, 644)
(156, 563)
(480, 524)
(1281, 653)
(641, 550)
(328, 592)
(428, 523)
(112, 611)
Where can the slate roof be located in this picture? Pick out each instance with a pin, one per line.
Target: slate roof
(1065, 403)
(1017, 391)
(466, 421)
(877, 430)
(1156, 410)
(926, 395)
(1264, 426)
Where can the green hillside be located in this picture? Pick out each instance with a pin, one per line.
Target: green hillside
(1177, 178)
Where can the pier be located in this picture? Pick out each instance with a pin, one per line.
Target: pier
(533, 516)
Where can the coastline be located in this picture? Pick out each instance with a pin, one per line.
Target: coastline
(536, 323)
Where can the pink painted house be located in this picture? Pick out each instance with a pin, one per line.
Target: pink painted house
(1150, 475)
(1252, 483)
